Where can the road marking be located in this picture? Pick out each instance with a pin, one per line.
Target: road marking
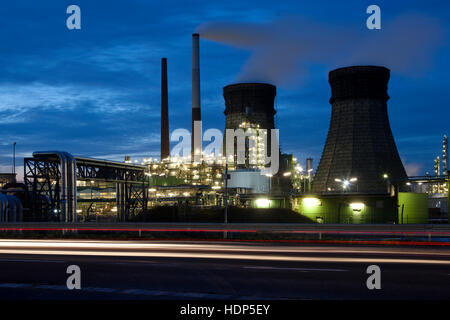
(293, 269)
(15, 285)
(97, 289)
(140, 292)
(32, 260)
(51, 287)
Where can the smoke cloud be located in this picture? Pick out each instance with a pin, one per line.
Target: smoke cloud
(282, 51)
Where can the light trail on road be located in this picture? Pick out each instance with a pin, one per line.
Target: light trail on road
(223, 251)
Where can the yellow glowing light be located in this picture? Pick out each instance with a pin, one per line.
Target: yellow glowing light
(263, 203)
(357, 206)
(311, 202)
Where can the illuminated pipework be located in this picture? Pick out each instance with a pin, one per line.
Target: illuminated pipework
(445, 155)
(257, 138)
(437, 166)
(177, 170)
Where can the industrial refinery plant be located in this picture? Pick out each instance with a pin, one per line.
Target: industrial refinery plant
(360, 177)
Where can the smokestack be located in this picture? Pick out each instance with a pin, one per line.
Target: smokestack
(196, 114)
(309, 167)
(360, 144)
(165, 144)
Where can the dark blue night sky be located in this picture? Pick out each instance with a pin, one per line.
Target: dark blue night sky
(96, 91)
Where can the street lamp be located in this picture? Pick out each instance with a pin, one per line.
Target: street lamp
(14, 160)
(346, 182)
(270, 181)
(388, 186)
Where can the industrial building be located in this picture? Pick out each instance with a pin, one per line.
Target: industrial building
(360, 177)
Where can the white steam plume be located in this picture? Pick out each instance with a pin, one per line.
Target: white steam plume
(281, 50)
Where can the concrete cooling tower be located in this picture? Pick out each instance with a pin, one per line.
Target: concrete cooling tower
(360, 146)
(250, 105)
(249, 102)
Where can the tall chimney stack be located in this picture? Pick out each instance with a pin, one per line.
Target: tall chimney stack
(196, 114)
(165, 144)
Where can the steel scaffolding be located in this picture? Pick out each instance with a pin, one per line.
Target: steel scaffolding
(43, 176)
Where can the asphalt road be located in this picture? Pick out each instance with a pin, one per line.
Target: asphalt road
(36, 269)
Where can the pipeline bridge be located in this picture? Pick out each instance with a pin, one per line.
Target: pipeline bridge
(51, 177)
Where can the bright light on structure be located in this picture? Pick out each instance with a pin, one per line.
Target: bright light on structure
(311, 202)
(385, 176)
(357, 206)
(338, 180)
(287, 174)
(353, 179)
(263, 203)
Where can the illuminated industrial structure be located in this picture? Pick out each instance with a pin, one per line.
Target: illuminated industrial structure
(176, 180)
(360, 177)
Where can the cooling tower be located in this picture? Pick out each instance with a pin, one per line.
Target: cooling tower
(249, 102)
(360, 143)
(252, 104)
